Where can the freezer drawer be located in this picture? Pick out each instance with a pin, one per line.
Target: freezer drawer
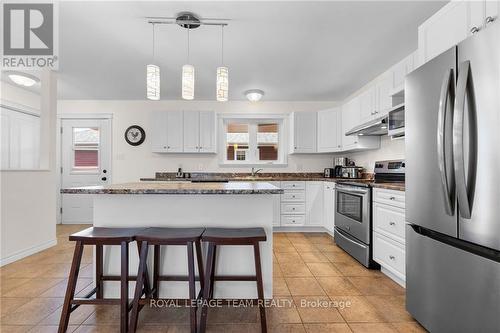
(358, 250)
(450, 290)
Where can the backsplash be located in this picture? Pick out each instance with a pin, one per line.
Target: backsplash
(389, 150)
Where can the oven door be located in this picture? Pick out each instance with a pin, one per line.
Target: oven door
(352, 213)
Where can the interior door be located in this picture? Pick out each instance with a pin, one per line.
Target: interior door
(430, 200)
(85, 161)
(476, 128)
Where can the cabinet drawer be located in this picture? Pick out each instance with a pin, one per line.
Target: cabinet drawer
(389, 197)
(293, 196)
(389, 254)
(289, 220)
(389, 220)
(293, 208)
(289, 185)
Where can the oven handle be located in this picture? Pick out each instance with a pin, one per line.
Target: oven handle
(346, 237)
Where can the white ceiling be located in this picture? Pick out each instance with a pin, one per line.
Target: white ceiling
(296, 51)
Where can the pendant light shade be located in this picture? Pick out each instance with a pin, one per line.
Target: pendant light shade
(188, 82)
(153, 77)
(222, 84)
(153, 82)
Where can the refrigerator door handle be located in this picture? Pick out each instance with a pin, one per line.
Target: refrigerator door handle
(447, 94)
(465, 183)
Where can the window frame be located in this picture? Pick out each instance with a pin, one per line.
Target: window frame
(253, 120)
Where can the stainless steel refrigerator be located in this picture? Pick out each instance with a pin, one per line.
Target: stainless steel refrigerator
(453, 187)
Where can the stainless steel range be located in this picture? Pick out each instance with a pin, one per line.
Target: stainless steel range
(353, 213)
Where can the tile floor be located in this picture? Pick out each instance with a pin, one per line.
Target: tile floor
(307, 268)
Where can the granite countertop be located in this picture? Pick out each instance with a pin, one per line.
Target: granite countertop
(266, 177)
(179, 187)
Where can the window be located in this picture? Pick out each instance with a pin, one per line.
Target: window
(85, 148)
(249, 141)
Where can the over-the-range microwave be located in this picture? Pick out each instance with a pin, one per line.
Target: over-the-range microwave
(396, 121)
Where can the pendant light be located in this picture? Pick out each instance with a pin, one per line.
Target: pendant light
(222, 89)
(153, 76)
(188, 76)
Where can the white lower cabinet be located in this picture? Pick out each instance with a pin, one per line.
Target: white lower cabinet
(293, 203)
(329, 206)
(389, 232)
(277, 203)
(314, 203)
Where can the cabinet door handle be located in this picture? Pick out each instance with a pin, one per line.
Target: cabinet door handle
(490, 19)
(392, 257)
(392, 198)
(104, 178)
(473, 30)
(392, 223)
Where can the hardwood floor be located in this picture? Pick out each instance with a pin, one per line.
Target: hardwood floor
(314, 282)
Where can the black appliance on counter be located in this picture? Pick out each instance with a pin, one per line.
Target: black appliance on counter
(329, 173)
(353, 212)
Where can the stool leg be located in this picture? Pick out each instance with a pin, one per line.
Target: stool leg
(260, 287)
(192, 286)
(206, 289)
(147, 288)
(70, 289)
(199, 260)
(143, 258)
(124, 288)
(98, 271)
(156, 271)
(212, 275)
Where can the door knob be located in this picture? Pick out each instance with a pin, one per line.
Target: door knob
(104, 178)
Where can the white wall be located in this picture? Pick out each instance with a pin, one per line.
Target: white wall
(28, 198)
(389, 150)
(131, 163)
(18, 95)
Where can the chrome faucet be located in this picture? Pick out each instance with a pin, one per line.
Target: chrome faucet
(255, 172)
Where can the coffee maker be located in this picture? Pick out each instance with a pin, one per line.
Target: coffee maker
(339, 163)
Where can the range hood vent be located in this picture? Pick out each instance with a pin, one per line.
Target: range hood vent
(375, 127)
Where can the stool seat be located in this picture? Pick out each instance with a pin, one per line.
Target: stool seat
(169, 235)
(234, 236)
(105, 235)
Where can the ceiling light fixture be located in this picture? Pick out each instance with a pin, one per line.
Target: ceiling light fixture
(23, 79)
(188, 74)
(153, 76)
(222, 83)
(254, 95)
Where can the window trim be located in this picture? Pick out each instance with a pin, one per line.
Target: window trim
(282, 121)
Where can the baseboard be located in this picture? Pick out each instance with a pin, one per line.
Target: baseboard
(25, 253)
(299, 229)
(393, 277)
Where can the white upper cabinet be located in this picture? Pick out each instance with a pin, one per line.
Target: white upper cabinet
(303, 134)
(183, 132)
(207, 132)
(174, 132)
(329, 129)
(383, 89)
(199, 132)
(367, 104)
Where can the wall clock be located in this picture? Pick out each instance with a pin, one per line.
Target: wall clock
(135, 135)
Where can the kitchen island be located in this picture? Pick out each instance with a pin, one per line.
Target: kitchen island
(189, 204)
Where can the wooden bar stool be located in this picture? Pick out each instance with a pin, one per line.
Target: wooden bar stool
(167, 236)
(223, 236)
(99, 237)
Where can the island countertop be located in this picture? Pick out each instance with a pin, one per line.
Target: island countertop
(182, 187)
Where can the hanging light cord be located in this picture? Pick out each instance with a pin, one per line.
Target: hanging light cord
(188, 46)
(154, 55)
(222, 45)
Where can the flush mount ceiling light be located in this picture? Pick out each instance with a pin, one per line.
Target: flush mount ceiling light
(153, 76)
(254, 95)
(188, 21)
(23, 79)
